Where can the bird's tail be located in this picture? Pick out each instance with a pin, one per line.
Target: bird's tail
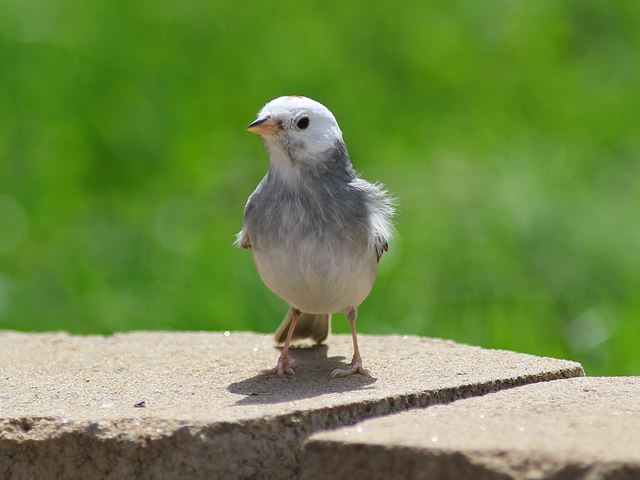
(310, 325)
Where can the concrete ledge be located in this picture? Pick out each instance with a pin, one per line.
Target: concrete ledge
(192, 405)
(587, 428)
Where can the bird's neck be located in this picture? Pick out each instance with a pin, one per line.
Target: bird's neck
(292, 166)
(282, 164)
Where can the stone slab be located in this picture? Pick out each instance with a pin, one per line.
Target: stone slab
(587, 428)
(193, 405)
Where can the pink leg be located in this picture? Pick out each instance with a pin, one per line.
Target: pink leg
(286, 365)
(356, 361)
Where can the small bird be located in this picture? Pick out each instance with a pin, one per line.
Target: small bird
(317, 231)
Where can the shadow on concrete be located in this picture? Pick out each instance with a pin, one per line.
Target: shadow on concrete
(313, 368)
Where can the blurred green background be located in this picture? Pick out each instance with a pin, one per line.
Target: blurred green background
(509, 130)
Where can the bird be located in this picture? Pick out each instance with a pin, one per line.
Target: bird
(317, 231)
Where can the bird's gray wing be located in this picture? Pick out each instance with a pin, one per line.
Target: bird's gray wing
(380, 245)
(242, 239)
(381, 209)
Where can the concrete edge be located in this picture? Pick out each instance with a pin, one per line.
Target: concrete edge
(319, 462)
(285, 433)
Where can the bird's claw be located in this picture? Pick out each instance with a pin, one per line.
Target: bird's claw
(354, 368)
(284, 367)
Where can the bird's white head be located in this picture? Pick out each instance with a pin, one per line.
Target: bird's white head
(296, 130)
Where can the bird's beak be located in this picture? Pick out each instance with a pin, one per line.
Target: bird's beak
(265, 126)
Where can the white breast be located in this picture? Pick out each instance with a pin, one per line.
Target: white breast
(315, 277)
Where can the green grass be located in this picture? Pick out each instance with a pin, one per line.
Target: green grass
(508, 130)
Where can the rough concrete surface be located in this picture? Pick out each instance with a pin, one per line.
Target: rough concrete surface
(586, 428)
(193, 405)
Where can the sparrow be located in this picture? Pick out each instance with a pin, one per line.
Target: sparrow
(316, 230)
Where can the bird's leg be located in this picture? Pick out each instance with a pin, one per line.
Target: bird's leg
(286, 365)
(356, 361)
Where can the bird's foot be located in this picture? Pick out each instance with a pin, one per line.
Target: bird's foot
(284, 367)
(354, 368)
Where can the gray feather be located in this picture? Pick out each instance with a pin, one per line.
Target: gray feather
(329, 203)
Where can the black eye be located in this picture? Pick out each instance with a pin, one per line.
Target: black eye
(303, 123)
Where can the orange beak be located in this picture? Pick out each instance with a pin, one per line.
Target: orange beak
(265, 126)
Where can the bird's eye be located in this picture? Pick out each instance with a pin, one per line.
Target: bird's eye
(302, 123)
